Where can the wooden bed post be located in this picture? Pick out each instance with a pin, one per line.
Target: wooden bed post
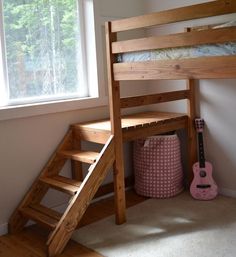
(192, 145)
(116, 130)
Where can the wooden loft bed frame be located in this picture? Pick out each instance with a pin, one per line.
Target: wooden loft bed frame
(111, 133)
(184, 69)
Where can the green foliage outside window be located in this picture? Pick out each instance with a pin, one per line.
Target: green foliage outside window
(42, 42)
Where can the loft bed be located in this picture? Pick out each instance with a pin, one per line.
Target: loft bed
(114, 131)
(132, 60)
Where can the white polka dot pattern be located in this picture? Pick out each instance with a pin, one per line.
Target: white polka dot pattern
(157, 166)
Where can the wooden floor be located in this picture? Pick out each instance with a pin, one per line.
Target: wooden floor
(31, 241)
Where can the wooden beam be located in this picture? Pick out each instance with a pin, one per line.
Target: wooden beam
(211, 36)
(109, 188)
(209, 9)
(192, 140)
(191, 132)
(116, 130)
(91, 135)
(76, 167)
(153, 129)
(78, 205)
(221, 67)
(153, 99)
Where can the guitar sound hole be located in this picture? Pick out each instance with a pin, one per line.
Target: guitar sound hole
(203, 186)
(202, 173)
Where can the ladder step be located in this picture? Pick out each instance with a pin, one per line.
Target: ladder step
(42, 215)
(47, 211)
(66, 185)
(82, 156)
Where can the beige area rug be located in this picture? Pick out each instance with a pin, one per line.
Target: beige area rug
(176, 227)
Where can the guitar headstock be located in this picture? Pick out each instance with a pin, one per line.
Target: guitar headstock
(199, 124)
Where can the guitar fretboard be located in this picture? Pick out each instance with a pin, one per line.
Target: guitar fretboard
(201, 154)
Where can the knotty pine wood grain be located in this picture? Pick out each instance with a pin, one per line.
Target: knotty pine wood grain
(192, 141)
(116, 129)
(198, 11)
(153, 99)
(31, 242)
(211, 36)
(78, 205)
(220, 67)
(132, 121)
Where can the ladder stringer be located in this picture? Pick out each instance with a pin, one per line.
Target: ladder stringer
(77, 207)
(38, 190)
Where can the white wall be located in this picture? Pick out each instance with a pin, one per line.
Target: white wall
(27, 143)
(215, 103)
(121, 8)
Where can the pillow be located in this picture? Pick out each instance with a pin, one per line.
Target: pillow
(227, 24)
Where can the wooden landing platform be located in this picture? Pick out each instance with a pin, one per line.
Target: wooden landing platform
(139, 125)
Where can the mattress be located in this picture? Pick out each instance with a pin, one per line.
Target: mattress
(205, 50)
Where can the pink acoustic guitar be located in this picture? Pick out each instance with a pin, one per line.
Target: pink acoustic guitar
(203, 186)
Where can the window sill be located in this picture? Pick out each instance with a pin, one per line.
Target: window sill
(29, 110)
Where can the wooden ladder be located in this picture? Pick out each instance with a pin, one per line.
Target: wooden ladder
(81, 190)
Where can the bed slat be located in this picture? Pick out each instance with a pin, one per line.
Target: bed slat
(197, 68)
(153, 99)
(198, 11)
(176, 40)
(154, 128)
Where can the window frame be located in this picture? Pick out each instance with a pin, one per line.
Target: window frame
(92, 51)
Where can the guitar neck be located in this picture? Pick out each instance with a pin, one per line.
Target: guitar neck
(201, 155)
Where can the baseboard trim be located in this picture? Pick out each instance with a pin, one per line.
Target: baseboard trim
(227, 192)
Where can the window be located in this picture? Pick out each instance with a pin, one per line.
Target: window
(43, 51)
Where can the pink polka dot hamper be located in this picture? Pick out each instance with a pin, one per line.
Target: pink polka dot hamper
(157, 166)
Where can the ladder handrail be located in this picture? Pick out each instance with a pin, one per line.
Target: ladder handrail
(82, 198)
